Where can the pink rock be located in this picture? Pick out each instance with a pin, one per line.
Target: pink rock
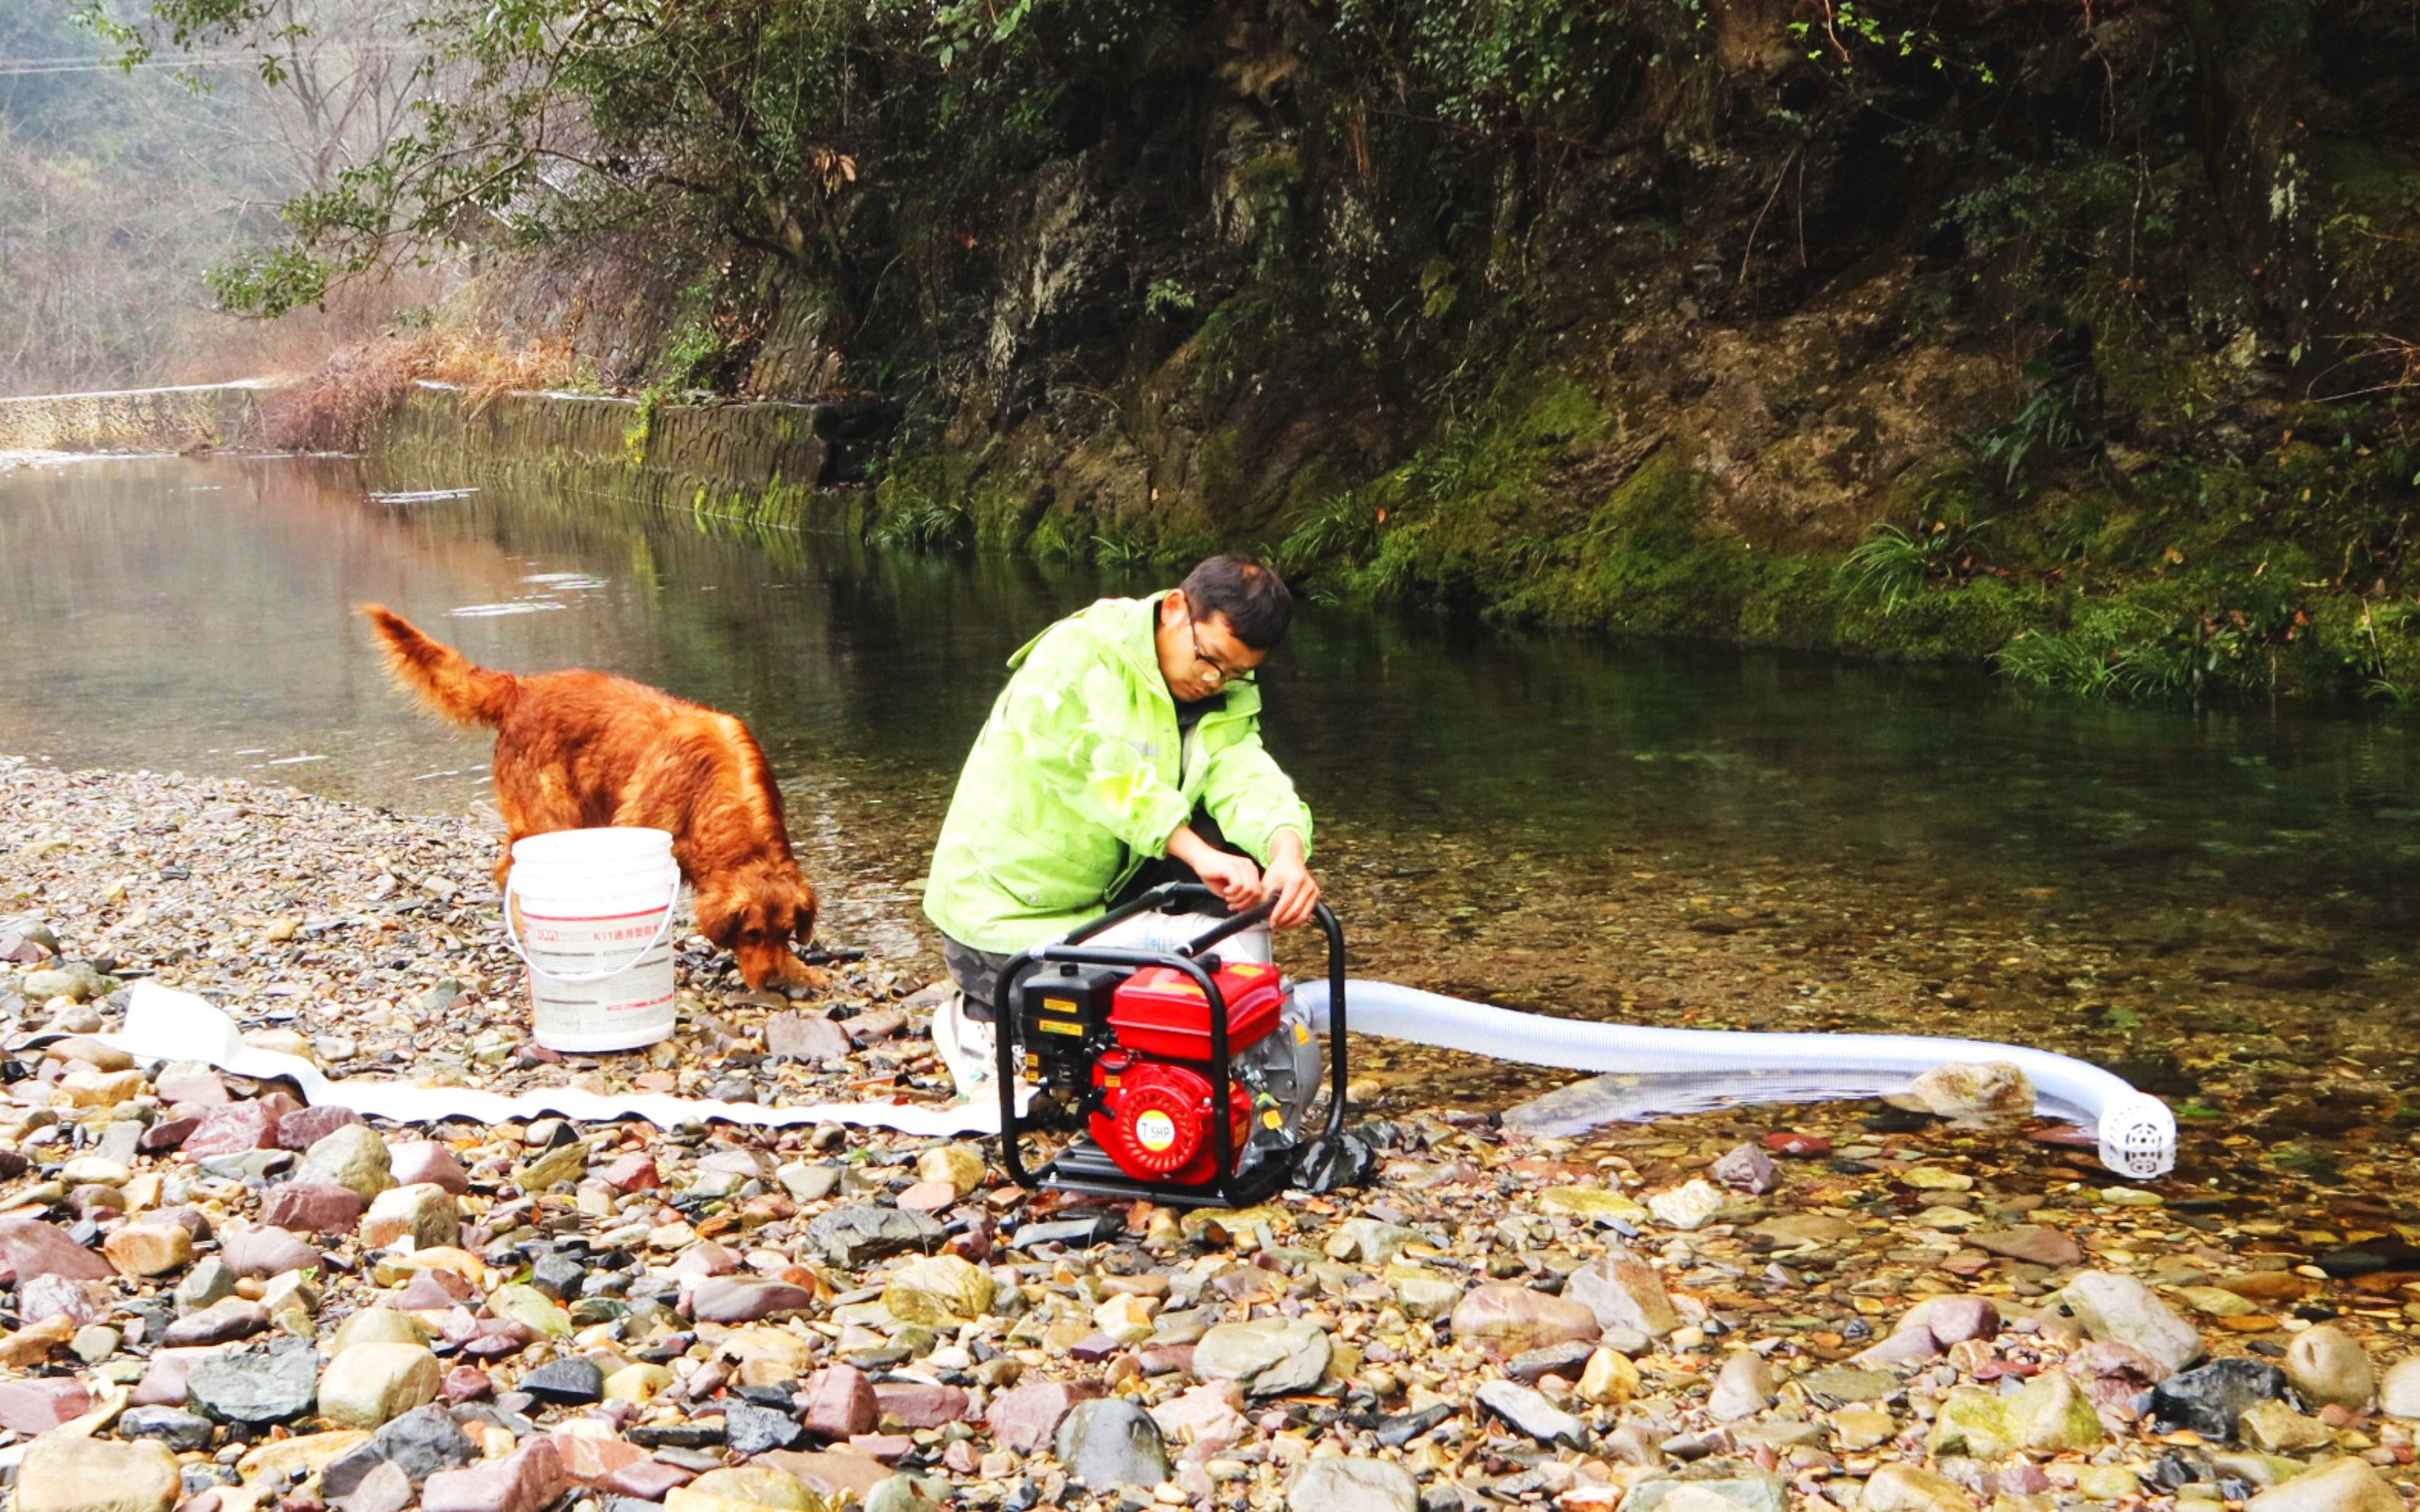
(2023, 1478)
(705, 1258)
(928, 1197)
(31, 1407)
(56, 1296)
(632, 1173)
(305, 1127)
(415, 1161)
(467, 1383)
(919, 1407)
(1505, 1319)
(1209, 1416)
(649, 1480)
(497, 1338)
(889, 1448)
(202, 1090)
(589, 1460)
(2031, 1243)
(838, 1402)
(186, 1217)
(734, 1300)
(432, 1290)
(312, 1207)
(1956, 1319)
(829, 1473)
(1169, 1359)
(2113, 1374)
(32, 1247)
(523, 1481)
(169, 1136)
(1747, 1168)
(1905, 1347)
(809, 1037)
(266, 1251)
(163, 1381)
(959, 1457)
(1024, 1417)
(232, 1129)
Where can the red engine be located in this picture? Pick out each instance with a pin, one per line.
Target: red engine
(1152, 1091)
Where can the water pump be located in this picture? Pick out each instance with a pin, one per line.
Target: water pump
(1185, 1075)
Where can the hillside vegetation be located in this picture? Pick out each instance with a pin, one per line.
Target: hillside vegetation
(2074, 335)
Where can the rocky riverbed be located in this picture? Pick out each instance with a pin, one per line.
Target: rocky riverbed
(225, 1300)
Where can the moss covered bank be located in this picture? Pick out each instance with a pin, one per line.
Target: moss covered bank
(2066, 337)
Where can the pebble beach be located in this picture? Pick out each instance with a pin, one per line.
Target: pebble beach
(223, 1300)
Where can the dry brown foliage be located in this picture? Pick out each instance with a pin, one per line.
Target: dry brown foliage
(336, 406)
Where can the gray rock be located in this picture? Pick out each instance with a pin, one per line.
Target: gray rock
(207, 1282)
(1110, 1441)
(1269, 1355)
(174, 1426)
(1353, 1485)
(2208, 1400)
(565, 1380)
(253, 1388)
(856, 1236)
(419, 1443)
(1530, 1412)
(751, 1429)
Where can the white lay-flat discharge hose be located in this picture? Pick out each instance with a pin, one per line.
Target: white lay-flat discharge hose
(1667, 1071)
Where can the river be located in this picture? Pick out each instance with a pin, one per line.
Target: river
(2218, 901)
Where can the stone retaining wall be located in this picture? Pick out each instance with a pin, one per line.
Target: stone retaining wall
(135, 420)
(766, 461)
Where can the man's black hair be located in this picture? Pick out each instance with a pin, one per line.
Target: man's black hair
(1252, 597)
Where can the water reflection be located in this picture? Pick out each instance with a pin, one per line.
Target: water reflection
(1677, 833)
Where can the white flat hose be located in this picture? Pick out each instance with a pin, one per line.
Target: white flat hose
(1667, 1071)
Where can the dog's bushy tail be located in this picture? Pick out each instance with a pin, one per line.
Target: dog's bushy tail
(447, 681)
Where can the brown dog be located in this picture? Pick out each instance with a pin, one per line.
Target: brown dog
(580, 749)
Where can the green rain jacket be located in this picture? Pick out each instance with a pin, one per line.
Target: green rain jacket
(1078, 778)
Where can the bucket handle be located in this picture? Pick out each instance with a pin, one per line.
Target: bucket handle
(582, 979)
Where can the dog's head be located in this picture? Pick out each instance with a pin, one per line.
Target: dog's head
(757, 914)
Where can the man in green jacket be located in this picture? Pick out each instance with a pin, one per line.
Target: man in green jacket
(1126, 750)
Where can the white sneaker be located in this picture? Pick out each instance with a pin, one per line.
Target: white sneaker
(969, 1047)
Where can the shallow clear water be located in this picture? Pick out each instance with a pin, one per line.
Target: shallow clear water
(2221, 901)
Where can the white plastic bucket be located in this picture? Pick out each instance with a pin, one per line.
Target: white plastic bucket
(590, 912)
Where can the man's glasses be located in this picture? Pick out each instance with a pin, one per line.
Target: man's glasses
(1226, 678)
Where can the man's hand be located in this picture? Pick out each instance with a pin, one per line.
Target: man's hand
(1234, 878)
(1289, 881)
